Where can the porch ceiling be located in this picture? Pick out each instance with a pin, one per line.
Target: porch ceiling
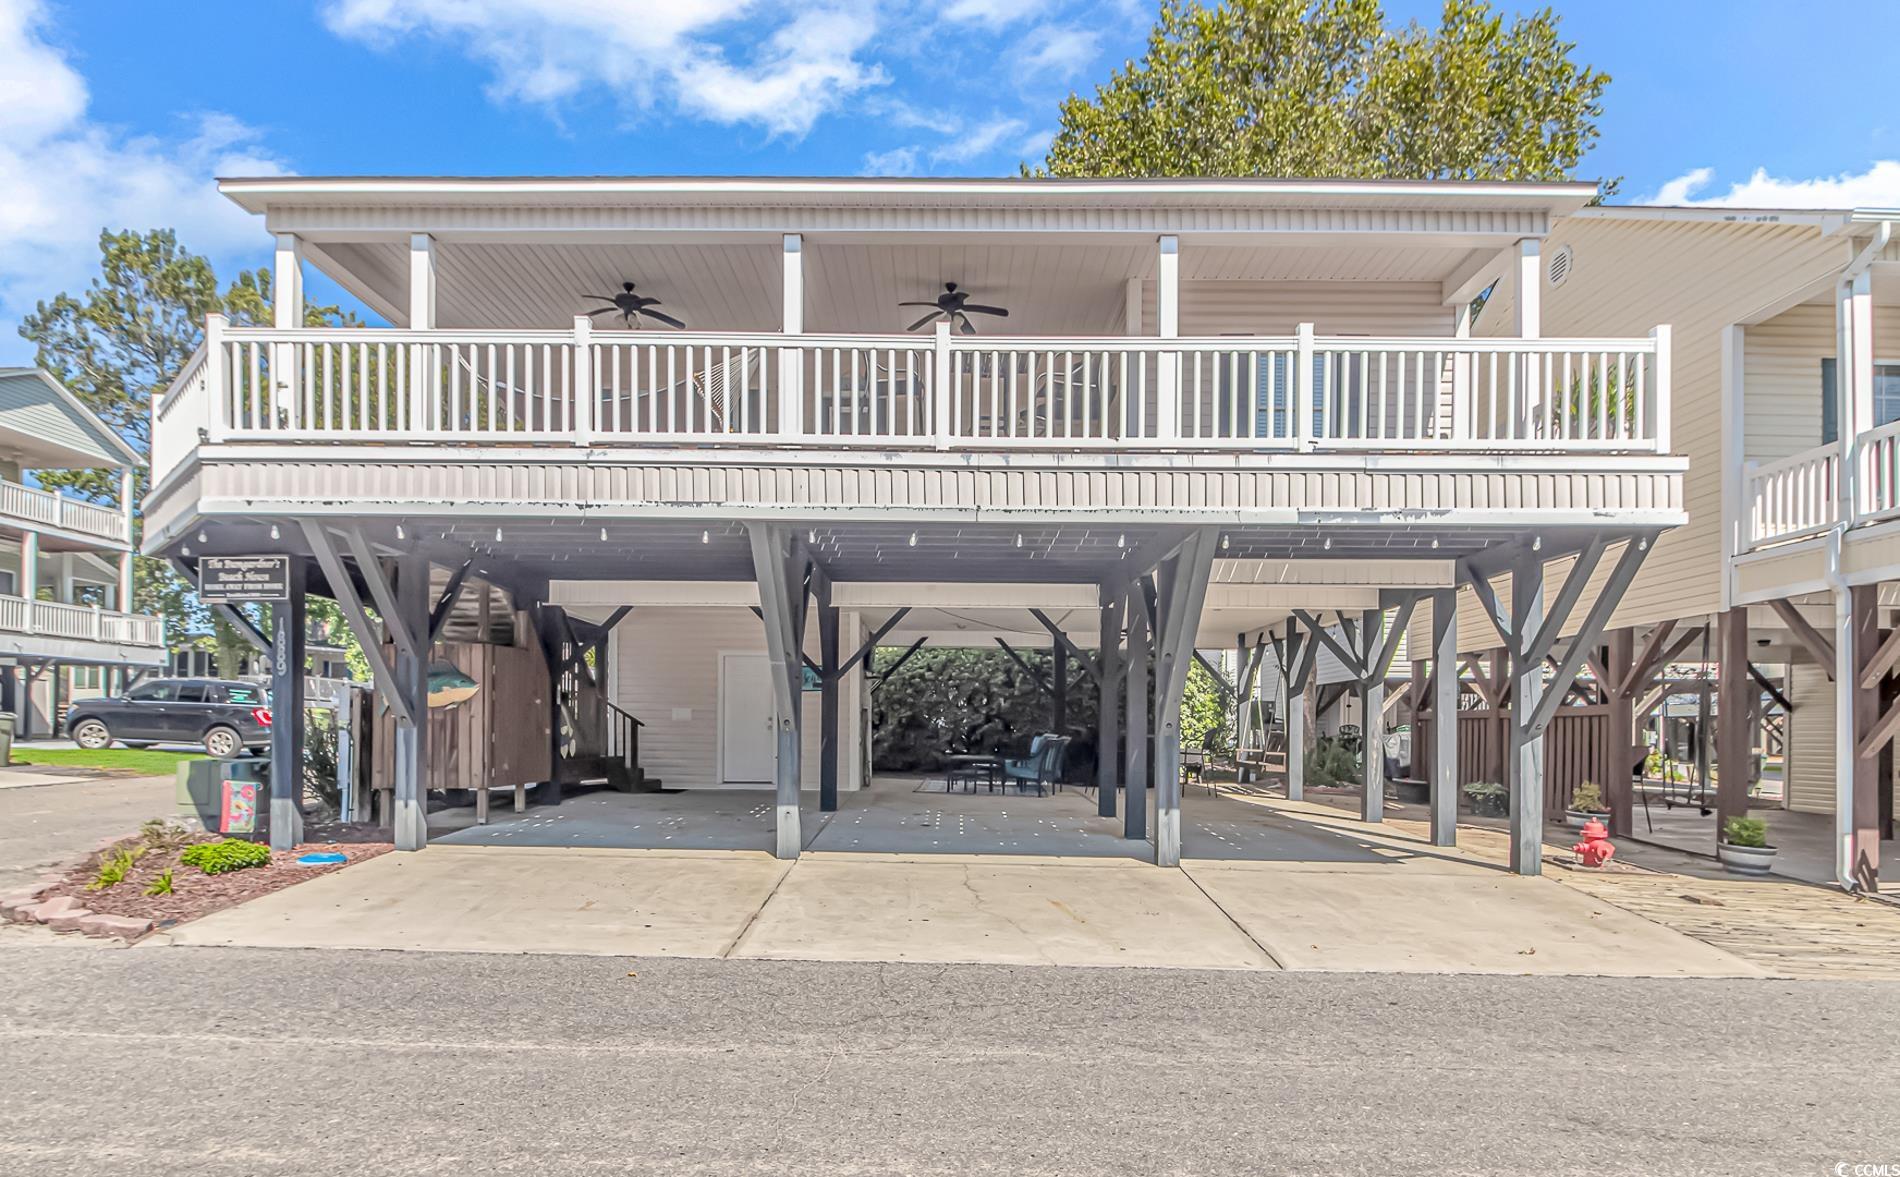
(1052, 284)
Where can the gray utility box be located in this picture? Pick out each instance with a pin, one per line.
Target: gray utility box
(202, 794)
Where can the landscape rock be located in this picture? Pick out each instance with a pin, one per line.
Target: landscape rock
(65, 920)
(123, 926)
(17, 906)
(57, 906)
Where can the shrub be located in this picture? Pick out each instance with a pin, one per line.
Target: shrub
(1488, 798)
(1587, 797)
(113, 870)
(1745, 831)
(159, 834)
(162, 885)
(215, 858)
(1332, 761)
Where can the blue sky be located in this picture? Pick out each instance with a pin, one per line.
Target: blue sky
(119, 112)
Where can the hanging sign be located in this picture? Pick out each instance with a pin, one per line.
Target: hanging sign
(233, 580)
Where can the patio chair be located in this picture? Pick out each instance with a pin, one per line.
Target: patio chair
(1041, 768)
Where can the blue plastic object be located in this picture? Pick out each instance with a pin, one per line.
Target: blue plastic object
(321, 858)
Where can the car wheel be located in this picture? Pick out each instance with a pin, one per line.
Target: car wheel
(92, 735)
(223, 743)
(136, 743)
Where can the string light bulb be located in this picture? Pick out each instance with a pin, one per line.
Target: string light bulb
(400, 533)
(705, 537)
(498, 535)
(1019, 539)
(913, 539)
(273, 532)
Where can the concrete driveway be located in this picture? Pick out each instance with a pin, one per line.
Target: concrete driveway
(1262, 887)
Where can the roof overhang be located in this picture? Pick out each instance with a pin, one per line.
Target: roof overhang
(264, 193)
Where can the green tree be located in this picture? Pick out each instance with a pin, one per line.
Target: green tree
(1327, 88)
(120, 343)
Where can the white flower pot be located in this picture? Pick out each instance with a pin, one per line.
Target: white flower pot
(1745, 860)
(1576, 819)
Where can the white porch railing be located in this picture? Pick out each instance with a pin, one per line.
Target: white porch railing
(1792, 497)
(55, 619)
(944, 391)
(31, 506)
(1802, 495)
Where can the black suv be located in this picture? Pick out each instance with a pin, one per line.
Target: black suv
(226, 717)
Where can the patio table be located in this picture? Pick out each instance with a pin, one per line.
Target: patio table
(970, 764)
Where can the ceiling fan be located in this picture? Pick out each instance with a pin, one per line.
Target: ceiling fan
(630, 306)
(955, 306)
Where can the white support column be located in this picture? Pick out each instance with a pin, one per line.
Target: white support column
(791, 361)
(287, 283)
(1131, 307)
(1732, 453)
(585, 393)
(1529, 288)
(1526, 759)
(64, 588)
(30, 573)
(217, 387)
(424, 405)
(1859, 360)
(1444, 787)
(1529, 325)
(1372, 723)
(122, 601)
(1296, 744)
(287, 315)
(1847, 660)
(411, 742)
(1460, 424)
(1300, 426)
(1167, 326)
(782, 608)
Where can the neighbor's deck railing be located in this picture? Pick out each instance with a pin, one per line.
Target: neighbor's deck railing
(55, 619)
(943, 391)
(1803, 494)
(30, 506)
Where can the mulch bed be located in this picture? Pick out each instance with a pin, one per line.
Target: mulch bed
(195, 893)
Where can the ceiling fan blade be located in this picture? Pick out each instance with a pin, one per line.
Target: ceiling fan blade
(969, 328)
(981, 310)
(669, 320)
(917, 304)
(604, 311)
(600, 297)
(927, 318)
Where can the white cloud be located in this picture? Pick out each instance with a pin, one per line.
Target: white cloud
(68, 177)
(1877, 187)
(978, 141)
(898, 161)
(993, 13)
(1054, 52)
(551, 52)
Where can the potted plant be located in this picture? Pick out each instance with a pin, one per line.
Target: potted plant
(1586, 805)
(1488, 799)
(1743, 847)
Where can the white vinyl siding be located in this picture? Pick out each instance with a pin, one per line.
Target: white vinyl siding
(1699, 277)
(1811, 742)
(666, 664)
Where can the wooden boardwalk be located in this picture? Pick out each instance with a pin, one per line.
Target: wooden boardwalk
(1791, 928)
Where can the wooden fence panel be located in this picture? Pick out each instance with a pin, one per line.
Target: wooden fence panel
(1573, 751)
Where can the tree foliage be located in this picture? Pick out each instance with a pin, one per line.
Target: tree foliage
(118, 344)
(1327, 88)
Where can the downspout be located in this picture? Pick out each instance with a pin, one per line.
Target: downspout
(1846, 747)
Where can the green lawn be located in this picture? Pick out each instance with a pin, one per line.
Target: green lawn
(128, 761)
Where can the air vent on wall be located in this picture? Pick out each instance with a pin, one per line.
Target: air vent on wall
(1560, 266)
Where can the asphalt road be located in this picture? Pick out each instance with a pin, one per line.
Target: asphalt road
(45, 825)
(228, 1061)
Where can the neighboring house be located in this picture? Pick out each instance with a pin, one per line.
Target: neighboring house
(1214, 410)
(65, 564)
(1787, 404)
(327, 667)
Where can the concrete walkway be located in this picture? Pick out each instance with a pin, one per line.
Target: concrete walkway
(1262, 887)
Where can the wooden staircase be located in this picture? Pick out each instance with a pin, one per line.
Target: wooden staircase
(602, 748)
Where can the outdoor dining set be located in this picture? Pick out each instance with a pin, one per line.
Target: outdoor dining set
(1040, 770)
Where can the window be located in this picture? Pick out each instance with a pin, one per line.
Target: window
(244, 694)
(153, 692)
(85, 678)
(1886, 398)
(193, 692)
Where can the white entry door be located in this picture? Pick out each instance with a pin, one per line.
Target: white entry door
(748, 720)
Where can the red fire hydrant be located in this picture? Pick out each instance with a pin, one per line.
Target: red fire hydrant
(1595, 849)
